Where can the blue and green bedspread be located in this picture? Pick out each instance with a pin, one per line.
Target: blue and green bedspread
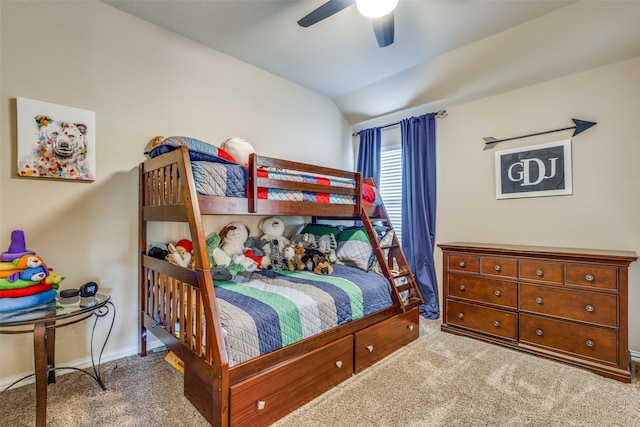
(266, 310)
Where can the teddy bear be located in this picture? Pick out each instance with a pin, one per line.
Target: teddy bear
(273, 232)
(229, 252)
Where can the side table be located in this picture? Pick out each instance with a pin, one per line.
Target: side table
(43, 322)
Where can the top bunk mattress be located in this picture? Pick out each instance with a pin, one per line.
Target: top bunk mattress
(216, 173)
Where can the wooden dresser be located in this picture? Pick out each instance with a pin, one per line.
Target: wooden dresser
(562, 303)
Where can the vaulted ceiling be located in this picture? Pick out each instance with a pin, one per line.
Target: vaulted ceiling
(445, 51)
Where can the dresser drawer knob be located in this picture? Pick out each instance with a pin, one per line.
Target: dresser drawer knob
(339, 363)
(498, 268)
(589, 277)
(410, 327)
(463, 288)
(540, 272)
(589, 343)
(260, 405)
(539, 332)
(498, 293)
(496, 323)
(370, 348)
(462, 264)
(589, 308)
(460, 315)
(539, 300)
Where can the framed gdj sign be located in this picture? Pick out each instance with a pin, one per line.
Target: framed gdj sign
(534, 171)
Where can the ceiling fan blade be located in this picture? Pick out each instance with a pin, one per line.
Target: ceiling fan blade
(383, 27)
(326, 10)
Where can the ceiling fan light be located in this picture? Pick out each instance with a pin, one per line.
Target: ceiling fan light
(376, 8)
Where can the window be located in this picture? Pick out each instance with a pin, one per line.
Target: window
(391, 185)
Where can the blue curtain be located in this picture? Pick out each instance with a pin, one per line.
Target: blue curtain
(419, 205)
(369, 154)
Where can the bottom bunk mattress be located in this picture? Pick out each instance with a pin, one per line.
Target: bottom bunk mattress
(265, 310)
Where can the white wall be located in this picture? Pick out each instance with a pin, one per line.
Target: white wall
(141, 81)
(604, 210)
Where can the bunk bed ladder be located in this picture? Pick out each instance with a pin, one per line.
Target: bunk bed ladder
(393, 263)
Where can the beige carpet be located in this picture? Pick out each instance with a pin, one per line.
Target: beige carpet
(439, 380)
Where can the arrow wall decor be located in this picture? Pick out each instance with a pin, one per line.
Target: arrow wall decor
(580, 126)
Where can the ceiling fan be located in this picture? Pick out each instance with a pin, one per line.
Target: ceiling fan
(380, 12)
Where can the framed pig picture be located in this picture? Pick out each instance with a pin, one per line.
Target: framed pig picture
(55, 141)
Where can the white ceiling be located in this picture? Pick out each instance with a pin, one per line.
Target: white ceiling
(445, 51)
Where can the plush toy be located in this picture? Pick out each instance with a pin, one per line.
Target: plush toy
(256, 245)
(327, 244)
(178, 255)
(239, 148)
(52, 279)
(293, 257)
(34, 274)
(276, 257)
(226, 252)
(158, 250)
(273, 229)
(307, 258)
(27, 261)
(304, 240)
(321, 265)
(232, 238)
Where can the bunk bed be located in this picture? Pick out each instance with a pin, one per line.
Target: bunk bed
(183, 307)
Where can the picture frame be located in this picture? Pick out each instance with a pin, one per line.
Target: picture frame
(55, 141)
(534, 171)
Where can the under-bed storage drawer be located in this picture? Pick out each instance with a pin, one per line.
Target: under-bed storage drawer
(274, 393)
(380, 340)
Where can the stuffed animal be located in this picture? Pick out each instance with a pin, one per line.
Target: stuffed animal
(158, 250)
(321, 265)
(304, 240)
(307, 258)
(276, 257)
(256, 245)
(52, 279)
(273, 230)
(232, 238)
(239, 148)
(34, 274)
(327, 244)
(293, 257)
(178, 255)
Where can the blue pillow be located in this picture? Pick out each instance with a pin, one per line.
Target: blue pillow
(198, 150)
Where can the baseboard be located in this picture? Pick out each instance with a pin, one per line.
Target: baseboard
(635, 356)
(84, 363)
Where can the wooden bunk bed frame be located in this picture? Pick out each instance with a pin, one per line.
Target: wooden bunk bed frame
(263, 389)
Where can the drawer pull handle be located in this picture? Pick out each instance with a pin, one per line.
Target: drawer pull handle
(539, 332)
(260, 404)
(460, 315)
(370, 348)
(498, 293)
(498, 268)
(589, 308)
(589, 343)
(339, 363)
(463, 288)
(496, 324)
(589, 277)
(540, 272)
(462, 264)
(539, 300)
(410, 327)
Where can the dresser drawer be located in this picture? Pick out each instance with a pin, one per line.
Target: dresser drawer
(469, 263)
(542, 271)
(588, 307)
(586, 341)
(592, 276)
(268, 396)
(380, 340)
(482, 319)
(483, 289)
(503, 267)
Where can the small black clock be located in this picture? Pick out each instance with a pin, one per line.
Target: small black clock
(89, 289)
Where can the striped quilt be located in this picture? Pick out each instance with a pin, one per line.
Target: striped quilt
(230, 180)
(265, 310)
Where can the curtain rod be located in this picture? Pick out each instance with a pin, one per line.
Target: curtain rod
(440, 114)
